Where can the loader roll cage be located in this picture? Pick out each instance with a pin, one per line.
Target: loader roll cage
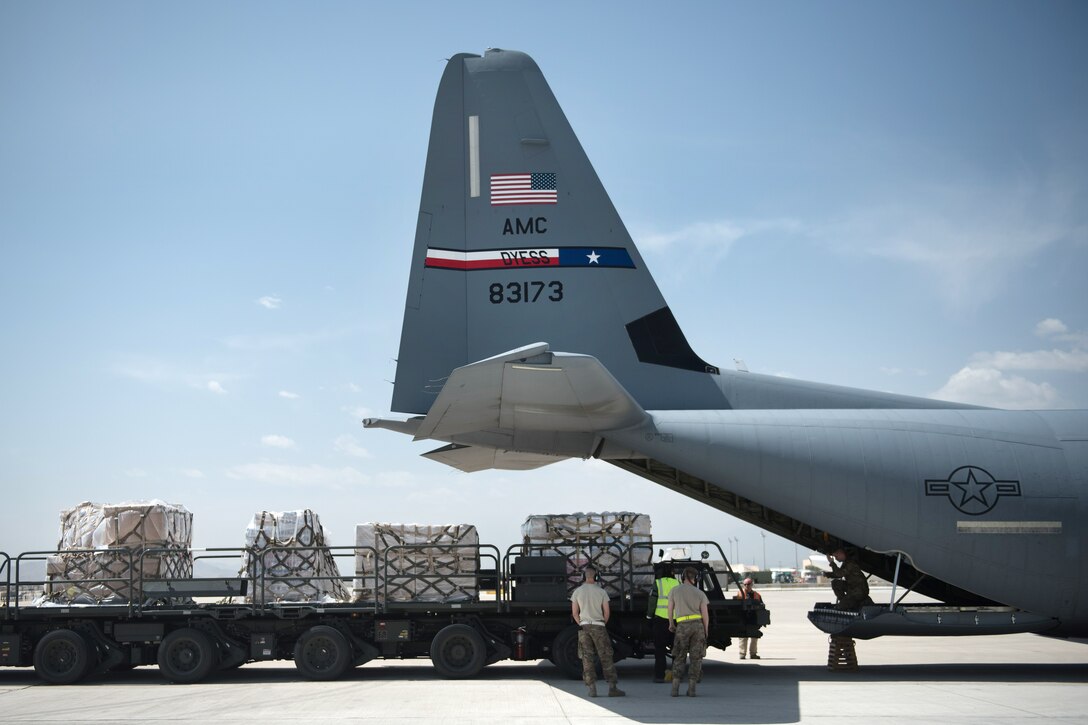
(488, 584)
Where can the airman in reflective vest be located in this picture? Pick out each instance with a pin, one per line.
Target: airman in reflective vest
(659, 603)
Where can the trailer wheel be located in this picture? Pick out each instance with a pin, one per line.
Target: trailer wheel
(565, 653)
(187, 655)
(322, 653)
(62, 657)
(458, 651)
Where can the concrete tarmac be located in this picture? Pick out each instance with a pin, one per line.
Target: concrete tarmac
(1011, 678)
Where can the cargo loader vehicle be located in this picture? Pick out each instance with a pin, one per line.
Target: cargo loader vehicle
(192, 628)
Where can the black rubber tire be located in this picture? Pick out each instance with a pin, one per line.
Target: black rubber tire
(187, 655)
(458, 652)
(322, 653)
(63, 657)
(565, 653)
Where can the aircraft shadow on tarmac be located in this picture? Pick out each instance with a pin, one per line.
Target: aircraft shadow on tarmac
(730, 692)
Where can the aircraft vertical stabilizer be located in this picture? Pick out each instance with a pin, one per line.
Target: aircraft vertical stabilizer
(516, 233)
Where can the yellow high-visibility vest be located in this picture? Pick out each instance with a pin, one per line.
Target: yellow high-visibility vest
(664, 586)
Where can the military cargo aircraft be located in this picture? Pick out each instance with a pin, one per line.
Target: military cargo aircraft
(533, 332)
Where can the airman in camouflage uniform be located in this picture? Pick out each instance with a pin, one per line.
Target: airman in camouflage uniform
(589, 608)
(850, 585)
(690, 620)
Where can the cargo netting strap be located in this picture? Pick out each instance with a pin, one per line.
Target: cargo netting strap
(290, 561)
(437, 563)
(98, 557)
(111, 576)
(605, 541)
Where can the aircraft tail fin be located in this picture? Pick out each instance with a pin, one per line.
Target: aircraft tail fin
(517, 241)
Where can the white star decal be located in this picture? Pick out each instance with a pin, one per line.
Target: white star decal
(973, 490)
(593, 257)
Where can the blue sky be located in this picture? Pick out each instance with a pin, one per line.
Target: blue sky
(206, 215)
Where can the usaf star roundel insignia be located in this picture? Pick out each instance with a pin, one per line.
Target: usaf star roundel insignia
(972, 490)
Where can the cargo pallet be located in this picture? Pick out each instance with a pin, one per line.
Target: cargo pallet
(164, 621)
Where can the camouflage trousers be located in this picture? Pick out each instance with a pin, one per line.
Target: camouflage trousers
(690, 640)
(593, 643)
(849, 597)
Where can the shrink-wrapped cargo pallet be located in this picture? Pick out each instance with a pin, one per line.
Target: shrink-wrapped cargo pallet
(118, 533)
(416, 562)
(289, 559)
(606, 540)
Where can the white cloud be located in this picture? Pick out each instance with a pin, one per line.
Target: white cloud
(1057, 331)
(269, 302)
(395, 479)
(1064, 360)
(314, 475)
(1049, 327)
(714, 237)
(894, 371)
(277, 441)
(971, 238)
(289, 395)
(716, 234)
(993, 388)
(192, 473)
(358, 412)
(986, 379)
(146, 371)
(157, 372)
(348, 445)
(291, 342)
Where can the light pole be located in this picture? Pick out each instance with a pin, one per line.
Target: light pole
(764, 535)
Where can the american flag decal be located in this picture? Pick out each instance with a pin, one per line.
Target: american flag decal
(528, 188)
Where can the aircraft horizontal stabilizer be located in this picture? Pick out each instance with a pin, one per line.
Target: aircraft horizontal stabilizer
(409, 426)
(521, 410)
(476, 458)
(530, 389)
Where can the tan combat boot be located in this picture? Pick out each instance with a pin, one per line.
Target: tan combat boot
(614, 690)
(691, 689)
(593, 690)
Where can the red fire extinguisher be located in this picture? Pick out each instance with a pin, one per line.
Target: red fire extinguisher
(520, 638)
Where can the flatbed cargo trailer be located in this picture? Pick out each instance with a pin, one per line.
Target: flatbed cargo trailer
(194, 627)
